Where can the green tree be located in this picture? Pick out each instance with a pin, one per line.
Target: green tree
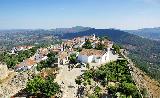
(87, 66)
(46, 87)
(97, 90)
(72, 58)
(93, 96)
(78, 81)
(87, 75)
(87, 44)
(100, 46)
(47, 63)
(128, 88)
(116, 48)
(34, 86)
(39, 66)
(79, 49)
(50, 88)
(104, 37)
(112, 89)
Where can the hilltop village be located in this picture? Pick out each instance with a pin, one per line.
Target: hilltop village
(66, 70)
(86, 49)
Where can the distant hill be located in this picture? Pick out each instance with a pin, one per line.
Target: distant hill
(57, 30)
(14, 37)
(144, 52)
(70, 30)
(151, 33)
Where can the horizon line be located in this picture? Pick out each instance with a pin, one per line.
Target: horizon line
(77, 26)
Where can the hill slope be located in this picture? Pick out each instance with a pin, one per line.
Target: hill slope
(151, 33)
(144, 52)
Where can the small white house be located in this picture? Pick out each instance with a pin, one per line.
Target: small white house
(20, 48)
(93, 56)
(39, 57)
(25, 65)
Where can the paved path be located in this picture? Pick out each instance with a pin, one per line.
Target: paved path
(112, 57)
(66, 79)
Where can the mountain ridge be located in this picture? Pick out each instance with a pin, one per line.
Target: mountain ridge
(150, 33)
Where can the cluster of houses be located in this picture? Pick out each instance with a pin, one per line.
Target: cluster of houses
(93, 55)
(29, 63)
(20, 48)
(68, 47)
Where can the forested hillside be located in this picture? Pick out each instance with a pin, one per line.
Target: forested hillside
(150, 33)
(144, 52)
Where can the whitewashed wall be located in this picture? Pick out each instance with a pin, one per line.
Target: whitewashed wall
(85, 59)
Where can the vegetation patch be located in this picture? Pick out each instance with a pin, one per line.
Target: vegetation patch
(41, 87)
(114, 78)
(13, 59)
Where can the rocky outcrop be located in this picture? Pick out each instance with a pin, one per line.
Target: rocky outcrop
(13, 85)
(3, 71)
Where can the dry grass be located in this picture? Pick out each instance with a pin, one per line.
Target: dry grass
(153, 86)
(10, 76)
(49, 72)
(144, 81)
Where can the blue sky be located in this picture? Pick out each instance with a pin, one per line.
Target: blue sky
(46, 14)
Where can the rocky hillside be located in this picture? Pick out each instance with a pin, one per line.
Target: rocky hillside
(3, 71)
(13, 84)
(149, 87)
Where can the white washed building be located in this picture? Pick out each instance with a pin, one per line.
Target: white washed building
(93, 56)
(26, 65)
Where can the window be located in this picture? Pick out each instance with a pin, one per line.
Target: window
(98, 57)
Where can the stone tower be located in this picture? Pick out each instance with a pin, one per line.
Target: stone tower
(94, 37)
